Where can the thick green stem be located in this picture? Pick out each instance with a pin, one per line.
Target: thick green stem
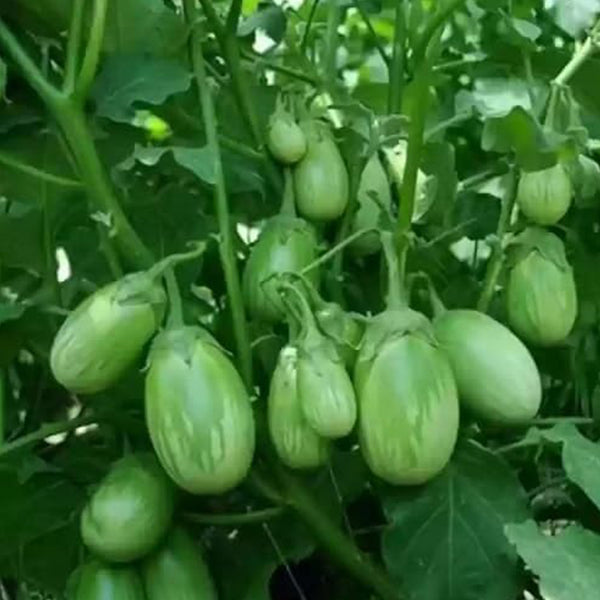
(226, 246)
(309, 22)
(175, 319)
(495, 263)
(408, 185)
(46, 431)
(587, 49)
(236, 519)
(47, 92)
(396, 72)
(16, 164)
(396, 293)
(233, 16)
(334, 15)
(288, 203)
(91, 58)
(339, 546)
(73, 46)
(97, 183)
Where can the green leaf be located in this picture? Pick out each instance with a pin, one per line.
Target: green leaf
(269, 18)
(143, 26)
(575, 16)
(446, 540)
(566, 563)
(9, 311)
(200, 162)
(494, 97)
(39, 525)
(20, 222)
(518, 131)
(580, 456)
(480, 213)
(125, 80)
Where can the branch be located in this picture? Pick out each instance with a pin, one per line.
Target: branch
(46, 431)
(340, 547)
(435, 22)
(35, 78)
(226, 247)
(309, 22)
(233, 17)
(92, 52)
(495, 263)
(16, 164)
(234, 519)
(589, 47)
(396, 68)
(73, 47)
(307, 77)
(367, 22)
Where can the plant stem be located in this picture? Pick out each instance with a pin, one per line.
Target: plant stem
(326, 256)
(334, 15)
(47, 92)
(495, 263)
(339, 546)
(293, 73)
(549, 421)
(243, 97)
(97, 183)
(311, 16)
(451, 122)
(46, 431)
(91, 57)
(233, 16)
(578, 59)
(16, 164)
(396, 292)
(396, 68)
(432, 27)
(372, 32)
(408, 186)
(235, 519)
(175, 319)
(73, 46)
(226, 247)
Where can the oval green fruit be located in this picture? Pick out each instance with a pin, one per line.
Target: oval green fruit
(85, 357)
(97, 581)
(324, 387)
(130, 511)
(285, 139)
(544, 196)
(541, 299)
(496, 375)
(320, 178)
(297, 444)
(374, 195)
(287, 244)
(408, 410)
(198, 412)
(177, 571)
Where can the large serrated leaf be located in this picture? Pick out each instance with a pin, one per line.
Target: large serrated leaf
(567, 564)
(446, 540)
(126, 80)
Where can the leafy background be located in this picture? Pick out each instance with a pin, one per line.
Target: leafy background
(515, 511)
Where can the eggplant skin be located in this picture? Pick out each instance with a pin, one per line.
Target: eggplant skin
(496, 376)
(408, 411)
